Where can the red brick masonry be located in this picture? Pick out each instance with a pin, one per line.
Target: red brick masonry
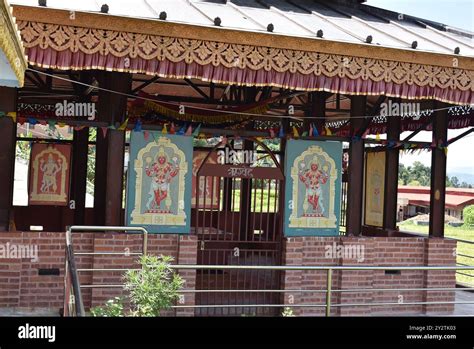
(22, 287)
(380, 251)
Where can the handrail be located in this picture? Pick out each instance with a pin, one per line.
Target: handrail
(88, 228)
(463, 241)
(294, 267)
(71, 276)
(328, 290)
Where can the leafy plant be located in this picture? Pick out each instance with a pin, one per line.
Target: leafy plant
(154, 287)
(151, 289)
(113, 308)
(287, 312)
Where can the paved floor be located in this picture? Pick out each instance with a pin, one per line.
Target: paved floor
(464, 309)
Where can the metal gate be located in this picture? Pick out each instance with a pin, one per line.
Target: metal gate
(238, 221)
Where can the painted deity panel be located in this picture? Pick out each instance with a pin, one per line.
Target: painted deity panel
(49, 174)
(312, 188)
(374, 188)
(159, 182)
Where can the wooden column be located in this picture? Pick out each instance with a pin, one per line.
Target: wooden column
(79, 174)
(318, 109)
(110, 150)
(356, 169)
(7, 155)
(438, 172)
(391, 174)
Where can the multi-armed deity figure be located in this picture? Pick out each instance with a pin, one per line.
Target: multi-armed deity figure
(49, 169)
(313, 178)
(162, 173)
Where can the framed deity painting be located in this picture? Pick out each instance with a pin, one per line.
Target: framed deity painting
(209, 187)
(313, 175)
(159, 183)
(49, 174)
(374, 188)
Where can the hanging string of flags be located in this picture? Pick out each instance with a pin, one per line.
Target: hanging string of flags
(187, 130)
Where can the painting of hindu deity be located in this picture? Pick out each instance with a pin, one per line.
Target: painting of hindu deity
(209, 188)
(374, 188)
(159, 182)
(49, 174)
(313, 188)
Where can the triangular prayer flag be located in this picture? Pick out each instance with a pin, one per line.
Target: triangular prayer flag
(61, 124)
(315, 131)
(104, 131)
(281, 134)
(51, 125)
(311, 129)
(172, 129)
(32, 121)
(377, 137)
(12, 115)
(124, 125)
(165, 129)
(182, 130)
(295, 132)
(272, 132)
(224, 140)
(138, 126)
(189, 131)
(304, 134)
(328, 131)
(146, 135)
(196, 131)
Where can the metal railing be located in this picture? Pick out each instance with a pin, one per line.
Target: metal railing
(328, 291)
(458, 256)
(73, 301)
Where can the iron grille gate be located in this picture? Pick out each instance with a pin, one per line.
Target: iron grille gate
(238, 221)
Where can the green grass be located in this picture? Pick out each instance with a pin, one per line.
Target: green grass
(464, 233)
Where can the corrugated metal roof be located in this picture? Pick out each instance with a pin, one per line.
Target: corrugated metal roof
(348, 22)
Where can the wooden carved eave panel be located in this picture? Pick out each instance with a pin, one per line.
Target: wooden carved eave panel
(10, 43)
(60, 46)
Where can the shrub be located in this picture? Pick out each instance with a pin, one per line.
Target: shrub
(151, 289)
(113, 308)
(468, 216)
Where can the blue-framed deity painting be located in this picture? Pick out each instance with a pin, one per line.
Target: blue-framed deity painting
(313, 175)
(159, 182)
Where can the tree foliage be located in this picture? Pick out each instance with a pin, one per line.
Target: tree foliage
(420, 175)
(468, 215)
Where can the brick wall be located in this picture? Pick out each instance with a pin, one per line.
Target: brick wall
(22, 287)
(380, 251)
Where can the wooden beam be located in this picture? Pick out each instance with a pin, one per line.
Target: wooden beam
(110, 150)
(145, 84)
(462, 135)
(355, 169)
(438, 172)
(80, 154)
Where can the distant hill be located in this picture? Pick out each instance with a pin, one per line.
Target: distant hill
(463, 177)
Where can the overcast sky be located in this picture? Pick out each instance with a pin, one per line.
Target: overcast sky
(457, 13)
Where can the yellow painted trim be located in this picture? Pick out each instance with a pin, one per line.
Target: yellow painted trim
(10, 42)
